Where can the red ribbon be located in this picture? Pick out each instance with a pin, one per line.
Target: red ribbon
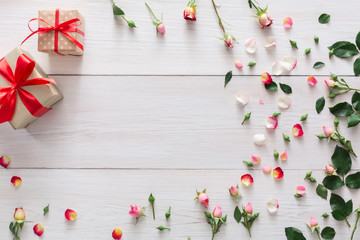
(23, 69)
(64, 28)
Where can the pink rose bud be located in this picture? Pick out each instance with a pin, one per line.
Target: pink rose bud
(204, 199)
(38, 229)
(234, 191)
(328, 131)
(329, 169)
(313, 222)
(135, 211)
(266, 169)
(217, 212)
(161, 28)
(300, 191)
(265, 20)
(249, 208)
(238, 64)
(19, 214)
(288, 22)
(4, 161)
(228, 40)
(266, 78)
(330, 83)
(190, 13)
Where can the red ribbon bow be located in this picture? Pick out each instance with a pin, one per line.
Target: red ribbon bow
(64, 28)
(24, 67)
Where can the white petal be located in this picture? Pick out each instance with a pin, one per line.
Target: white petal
(272, 205)
(277, 68)
(289, 63)
(250, 45)
(259, 139)
(269, 42)
(284, 102)
(242, 98)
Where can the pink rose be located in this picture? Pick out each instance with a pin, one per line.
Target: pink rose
(265, 20)
(135, 211)
(234, 191)
(228, 40)
(330, 83)
(19, 214)
(329, 169)
(217, 212)
(249, 208)
(313, 222)
(161, 28)
(190, 13)
(204, 199)
(328, 131)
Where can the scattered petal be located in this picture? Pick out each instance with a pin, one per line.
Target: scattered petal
(288, 22)
(256, 159)
(38, 229)
(283, 156)
(269, 42)
(300, 191)
(247, 179)
(5, 161)
(117, 234)
(261, 101)
(242, 98)
(238, 64)
(312, 81)
(266, 169)
(271, 122)
(70, 215)
(16, 181)
(250, 45)
(289, 63)
(260, 139)
(266, 78)
(277, 68)
(272, 205)
(278, 173)
(284, 102)
(297, 130)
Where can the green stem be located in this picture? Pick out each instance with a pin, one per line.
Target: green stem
(218, 16)
(353, 232)
(347, 222)
(318, 234)
(249, 232)
(152, 13)
(153, 210)
(252, 3)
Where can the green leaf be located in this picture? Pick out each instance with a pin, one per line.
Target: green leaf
(357, 41)
(325, 215)
(344, 49)
(116, 10)
(46, 209)
(338, 214)
(285, 88)
(294, 234)
(161, 228)
(272, 86)
(228, 77)
(341, 160)
(333, 182)
(342, 109)
(353, 181)
(318, 65)
(321, 191)
(337, 202)
(207, 214)
(328, 233)
(251, 64)
(307, 51)
(355, 100)
(348, 208)
(320, 103)
(324, 18)
(304, 117)
(237, 214)
(357, 66)
(293, 44)
(248, 163)
(353, 120)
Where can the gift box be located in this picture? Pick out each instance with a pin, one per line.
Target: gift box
(61, 31)
(26, 93)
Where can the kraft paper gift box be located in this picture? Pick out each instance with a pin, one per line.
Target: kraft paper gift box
(46, 41)
(46, 94)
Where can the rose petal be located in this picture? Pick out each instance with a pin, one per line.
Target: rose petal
(261, 101)
(266, 169)
(271, 122)
(247, 179)
(256, 159)
(284, 102)
(16, 181)
(260, 139)
(270, 42)
(300, 190)
(266, 78)
(289, 62)
(278, 173)
(272, 205)
(250, 45)
(297, 130)
(117, 234)
(288, 22)
(238, 64)
(5, 161)
(283, 156)
(312, 81)
(70, 215)
(277, 68)
(38, 229)
(242, 98)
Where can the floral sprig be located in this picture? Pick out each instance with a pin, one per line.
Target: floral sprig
(314, 227)
(228, 39)
(216, 220)
(264, 18)
(190, 11)
(203, 198)
(152, 201)
(119, 12)
(160, 26)
(357, 211)
(137, 212)
(16, 226)
(246, 215)
(338, 86)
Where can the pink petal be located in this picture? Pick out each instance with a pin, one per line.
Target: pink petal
(250, 45)
(271, 122)
(266, 169)
(288, 22)
(238, 64)
(256, 159)
(272, 205)
(297, 130)
(289, 63)
(277, 68)
(284, 102)
(247, 179)
(270, 42)
(283, 156)
(301, 190)
(278, 173)
(312, 81)
(261, 101)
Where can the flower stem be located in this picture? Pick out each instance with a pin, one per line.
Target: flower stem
(353, 232)
(252, 3)
(152, 13)
(318, 234)
(347, 222)
(218, 16)
(249, 232)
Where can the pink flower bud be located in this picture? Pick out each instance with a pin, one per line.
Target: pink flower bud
(19, 214)
(161, 28)
(328, 131)
(217, 212)
(330, 83)
(234, 191)
(135, 211)
(329, 169)
(204, 199)
(313, 222)
(265, 20)
(249, 208)
(228, 40)
(300, 191)
(190, 13)
(266, 78)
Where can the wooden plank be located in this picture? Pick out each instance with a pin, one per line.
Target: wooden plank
(102, 199)
(187, 48)
(172, 122)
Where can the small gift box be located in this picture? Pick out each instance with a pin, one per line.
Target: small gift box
(26, 93)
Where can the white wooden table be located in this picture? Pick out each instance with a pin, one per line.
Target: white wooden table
(145, 113)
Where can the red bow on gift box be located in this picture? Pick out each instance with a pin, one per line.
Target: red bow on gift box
(23, 69)
(64, 28)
